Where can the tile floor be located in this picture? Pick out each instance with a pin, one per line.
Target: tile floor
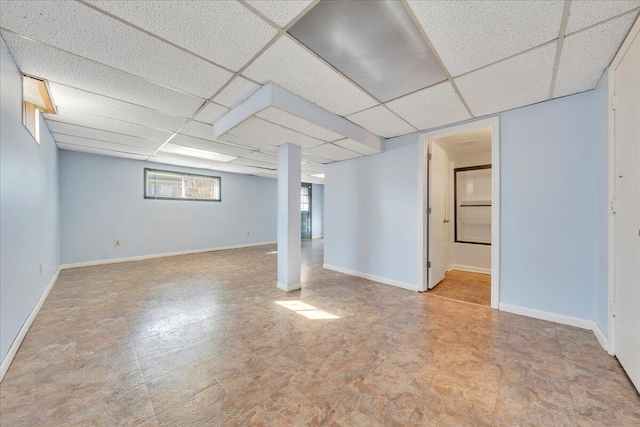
(465, 286)
(199, 340)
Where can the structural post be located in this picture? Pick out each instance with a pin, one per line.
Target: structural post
(289, 176)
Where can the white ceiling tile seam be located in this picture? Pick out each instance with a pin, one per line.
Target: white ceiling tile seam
(561, 35)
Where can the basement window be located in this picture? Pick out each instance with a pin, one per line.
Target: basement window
(169, 185)
(35, 99)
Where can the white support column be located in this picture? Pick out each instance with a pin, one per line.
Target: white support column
(289, 180)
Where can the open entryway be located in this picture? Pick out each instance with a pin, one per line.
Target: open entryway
(305, 211)
(460, 213)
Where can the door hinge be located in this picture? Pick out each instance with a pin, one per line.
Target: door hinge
(613, 102)
(429, 264)
(612, 206)
(429, 211)
(429, 156)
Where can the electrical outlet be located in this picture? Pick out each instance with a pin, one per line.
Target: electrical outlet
(248, 233)
(365, 254)
(116, 243)
(40, 268)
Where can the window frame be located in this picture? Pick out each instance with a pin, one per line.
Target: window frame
(183, 174)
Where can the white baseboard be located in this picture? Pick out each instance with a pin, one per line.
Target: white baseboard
(288, 288)
(371, 277)
(545, 315)
(470, 268)
(600, 337)
(25, 327)
(162, 255)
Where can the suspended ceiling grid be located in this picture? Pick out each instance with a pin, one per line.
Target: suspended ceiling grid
(131, 77)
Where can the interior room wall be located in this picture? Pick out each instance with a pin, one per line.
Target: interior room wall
(547, 197)
(102, 200)
(29, 211)
(317, 211)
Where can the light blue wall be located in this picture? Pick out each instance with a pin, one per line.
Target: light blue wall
(317, 211)
(371, 204)
(102, 200)
(548, 153)
(601, 95)
(29, 210)
(547, 206)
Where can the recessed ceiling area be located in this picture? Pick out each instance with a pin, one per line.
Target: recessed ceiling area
(147, 80)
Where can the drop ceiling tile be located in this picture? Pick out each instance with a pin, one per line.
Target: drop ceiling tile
(283, 118)
(196, 153)
(584, 13)
(522, 80)
(469, 35)
(47, 62)
(76, 99)
(211, 113)
(238, 33)
(204, 144)
(80, 118)
(102, 145)
(381, 121)
(291, 66)
(315, 159)
(81, 30)
(101, 135)
(198, 129)
(255, 129)
(312, 168)
(332, 152)
(435, 106)
(586, 54)
(280, 12)
(102, 152)
(253, 144)
(255, 163)
(263, 157)
(356, 146)
(182, 160)
(237, 91)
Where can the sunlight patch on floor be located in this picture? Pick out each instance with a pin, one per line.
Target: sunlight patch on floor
(306, 310)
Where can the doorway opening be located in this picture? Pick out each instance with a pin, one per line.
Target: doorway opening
(460, 215)
(305, 211)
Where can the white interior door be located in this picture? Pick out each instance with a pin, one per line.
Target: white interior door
(437, 217)
(627, 212)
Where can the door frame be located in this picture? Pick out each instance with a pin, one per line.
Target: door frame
(423, 200)
(611, 285)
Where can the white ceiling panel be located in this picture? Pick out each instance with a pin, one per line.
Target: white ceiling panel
(102, 152)
(584, 13)
(196, 153)
(381, 121)
(254, 163)
(315, 159)
(204, 144)
(102, 145)
(47, 62)
(522, 80)
(435, 106)
(263, 157)
(83, 31)
(101, 135)
(198, 129)
(586, 54)
(291, 66)
(283, 118)
(312, 168)
(255, 144)
(182, 160)
(236, 92)
(280, 12)
(255, 129)
(356, 146)
(469, 35)
(76, 99)
(80, 118)
(238, 33)
(332, 152)
(210, 113)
